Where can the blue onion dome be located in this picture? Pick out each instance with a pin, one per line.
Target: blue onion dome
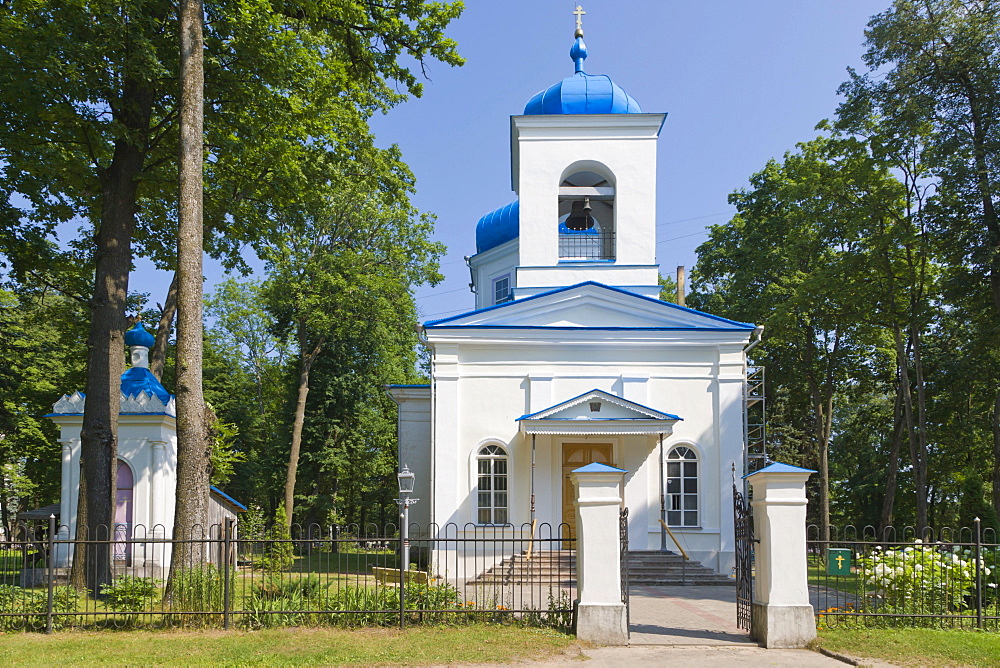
(582, 93)
(498, 227)
(139, 336)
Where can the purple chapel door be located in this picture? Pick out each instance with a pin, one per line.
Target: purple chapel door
(123, 515)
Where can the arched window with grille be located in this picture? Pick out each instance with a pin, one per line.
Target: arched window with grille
(491, 467)
(682, 487)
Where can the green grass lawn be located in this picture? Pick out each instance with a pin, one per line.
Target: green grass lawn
(344, 562)
(278, 647)
(916, 647)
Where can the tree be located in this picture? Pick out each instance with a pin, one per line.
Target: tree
(41, 355)
(801, 254)
(194, 449)
(88, 127)
(341, 264)
(934, 71)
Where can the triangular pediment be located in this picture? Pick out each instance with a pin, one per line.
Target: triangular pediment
(598, 405)
(589, 306)
(598, 412)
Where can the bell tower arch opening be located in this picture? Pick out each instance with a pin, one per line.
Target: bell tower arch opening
(587, 215)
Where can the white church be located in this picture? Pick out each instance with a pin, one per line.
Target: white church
(569, 356)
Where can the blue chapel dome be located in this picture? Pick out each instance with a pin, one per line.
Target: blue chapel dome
(582, 93)
(139, 336)
(140, 379)
(498, 227)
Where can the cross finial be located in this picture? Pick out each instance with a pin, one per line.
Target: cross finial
(578, 12)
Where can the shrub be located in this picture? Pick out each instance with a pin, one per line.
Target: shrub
(919, 579)
(27, 609)
(129, 593)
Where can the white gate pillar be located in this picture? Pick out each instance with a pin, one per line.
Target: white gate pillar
(600, 614)
(781, 615)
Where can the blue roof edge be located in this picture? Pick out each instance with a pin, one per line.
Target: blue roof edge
(227, 497)
(736, 323)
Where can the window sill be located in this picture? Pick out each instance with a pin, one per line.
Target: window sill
(587, 261)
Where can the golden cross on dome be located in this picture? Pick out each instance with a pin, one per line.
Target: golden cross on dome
(578, 12)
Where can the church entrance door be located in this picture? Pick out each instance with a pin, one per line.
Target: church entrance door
(575, 455)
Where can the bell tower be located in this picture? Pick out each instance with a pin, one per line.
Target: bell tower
(583, 166)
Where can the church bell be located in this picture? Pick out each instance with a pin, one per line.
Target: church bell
(579, 217)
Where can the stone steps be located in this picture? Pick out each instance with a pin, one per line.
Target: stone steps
(559, 567)
(668, 568)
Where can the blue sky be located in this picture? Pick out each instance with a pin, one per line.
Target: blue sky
(741, 82)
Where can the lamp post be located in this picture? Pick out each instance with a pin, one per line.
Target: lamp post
(406, 480)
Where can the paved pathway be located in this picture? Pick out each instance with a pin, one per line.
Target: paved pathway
(688, 626)
(685, 616)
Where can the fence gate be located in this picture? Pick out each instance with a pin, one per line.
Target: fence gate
(743, 525)
(623, 542)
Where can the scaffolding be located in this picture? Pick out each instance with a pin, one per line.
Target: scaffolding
(754, 421)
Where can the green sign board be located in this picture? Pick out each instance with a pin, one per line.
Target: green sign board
(838, 561)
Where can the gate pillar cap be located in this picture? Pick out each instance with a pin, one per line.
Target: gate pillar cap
(778, 467)
(779, 483)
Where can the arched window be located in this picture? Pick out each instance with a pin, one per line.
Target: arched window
(491, 466)
(586, 217)
(682, 487)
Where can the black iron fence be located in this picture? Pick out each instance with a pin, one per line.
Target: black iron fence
(342, 576)
(935, 577)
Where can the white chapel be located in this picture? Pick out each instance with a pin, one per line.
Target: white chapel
(146, 473)
(569, 356)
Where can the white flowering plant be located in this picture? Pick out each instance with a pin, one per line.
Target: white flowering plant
(919, 579)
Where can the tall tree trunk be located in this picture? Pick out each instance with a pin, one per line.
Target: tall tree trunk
(105, 340)
(903, 367)
(920, 461)
(892, 473)
(820, 432)
(158, 355)
(307, 357)
(193, 444)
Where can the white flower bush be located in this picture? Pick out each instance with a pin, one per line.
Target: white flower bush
(920, 579)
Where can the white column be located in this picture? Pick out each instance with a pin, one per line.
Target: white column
(157, 504)
(601, 616)
(68, 495)
(782, 615)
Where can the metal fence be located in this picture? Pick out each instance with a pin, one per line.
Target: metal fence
(341, 576)
(935, 577)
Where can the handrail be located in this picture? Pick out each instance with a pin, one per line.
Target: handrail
(531, 541)
(674, 538)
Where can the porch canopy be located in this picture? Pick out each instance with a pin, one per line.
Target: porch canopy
(597, 413)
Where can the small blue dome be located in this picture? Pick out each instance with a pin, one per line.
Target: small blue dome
(498, 227)
(139, 336)
(140, 379)
(582, 93)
